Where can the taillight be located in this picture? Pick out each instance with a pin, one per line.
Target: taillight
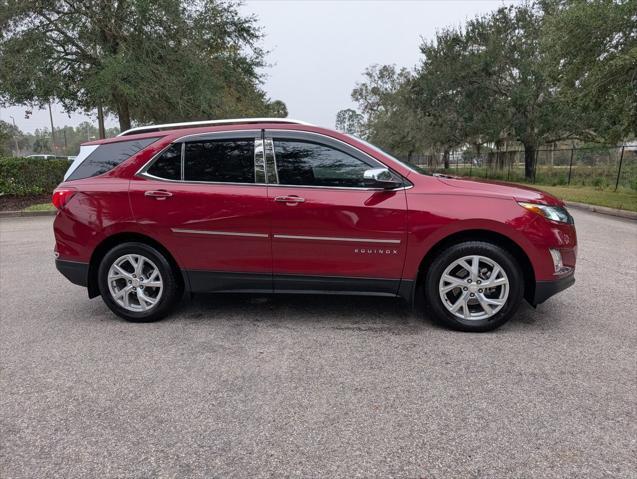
(61, 196)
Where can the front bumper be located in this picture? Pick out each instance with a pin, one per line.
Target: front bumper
(545, 289)
(76, 273)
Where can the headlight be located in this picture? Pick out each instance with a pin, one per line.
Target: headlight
(553, 213)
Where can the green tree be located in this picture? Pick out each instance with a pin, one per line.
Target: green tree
(350, 121)
(499, 82)
(388, 119)
(144, 60)
(594, 47)
(277, 109)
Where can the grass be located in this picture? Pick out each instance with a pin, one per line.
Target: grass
(40, 207)
(622, 199)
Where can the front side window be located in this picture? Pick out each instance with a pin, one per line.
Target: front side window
(305, 163)
(168, 164)
(107, 156)
(226, 161)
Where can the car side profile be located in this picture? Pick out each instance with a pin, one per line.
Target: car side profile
(279, 206)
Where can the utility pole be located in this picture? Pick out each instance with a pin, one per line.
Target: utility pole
(52, 128)
(15, 137)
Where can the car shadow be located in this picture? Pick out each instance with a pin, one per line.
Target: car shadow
(362, 313)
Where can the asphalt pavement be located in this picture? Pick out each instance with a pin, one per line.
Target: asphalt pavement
(313, 386)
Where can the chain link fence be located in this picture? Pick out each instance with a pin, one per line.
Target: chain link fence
(600, 167)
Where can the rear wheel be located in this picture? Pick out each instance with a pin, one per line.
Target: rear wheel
(138, 283)
(474, 286)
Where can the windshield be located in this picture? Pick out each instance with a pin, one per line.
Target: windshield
(410, 166)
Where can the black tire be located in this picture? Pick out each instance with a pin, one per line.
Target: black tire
(491, 251)
(172, 288)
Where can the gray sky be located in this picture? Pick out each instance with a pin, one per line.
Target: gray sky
(319, 49)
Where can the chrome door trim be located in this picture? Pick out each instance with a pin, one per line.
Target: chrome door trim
(260, 169)
(220, 233)
(334, 238)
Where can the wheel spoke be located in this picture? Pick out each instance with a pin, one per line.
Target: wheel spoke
(453, 283)
(485, 305)
(490, 301)
(475, 267)
(144, 301)
(121, 272)
(495, 282)
(461, 302)
(465, 265)
(140, 266)
(152, 284)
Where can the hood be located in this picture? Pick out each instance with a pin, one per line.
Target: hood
(501, 189)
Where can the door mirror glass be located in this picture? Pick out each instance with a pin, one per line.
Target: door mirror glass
(381, 178)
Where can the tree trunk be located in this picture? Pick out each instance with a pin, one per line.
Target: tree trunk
(100, 122)
(445, 158)
(529, 160)
(123, 114)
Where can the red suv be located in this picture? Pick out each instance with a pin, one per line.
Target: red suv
(279, 206)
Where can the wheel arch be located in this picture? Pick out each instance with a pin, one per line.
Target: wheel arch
(489, 236)
(125, 237)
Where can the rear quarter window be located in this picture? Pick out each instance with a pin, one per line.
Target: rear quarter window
(108, 156)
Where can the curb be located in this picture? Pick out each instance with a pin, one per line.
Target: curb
(604, 210)
(16, 214)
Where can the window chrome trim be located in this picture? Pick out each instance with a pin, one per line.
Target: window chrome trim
(354, 188)
(142, 171)
(183, 161)
(334, 238)
(220, 233)
(260, 169)
(269, 148)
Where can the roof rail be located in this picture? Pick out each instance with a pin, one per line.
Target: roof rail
(188, 124)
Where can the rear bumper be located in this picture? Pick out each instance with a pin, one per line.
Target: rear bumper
(545, 289)
(76, 273)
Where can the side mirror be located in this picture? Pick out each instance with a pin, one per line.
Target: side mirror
(381, 178)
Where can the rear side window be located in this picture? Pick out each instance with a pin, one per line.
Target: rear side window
(168, 164)
(108, 156)
(225, 161)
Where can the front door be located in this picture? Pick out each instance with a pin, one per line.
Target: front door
(205, 199)
(330, 230)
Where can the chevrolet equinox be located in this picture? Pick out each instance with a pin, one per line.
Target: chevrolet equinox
(280, 206)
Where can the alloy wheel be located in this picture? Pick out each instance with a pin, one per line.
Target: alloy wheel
(474, 287)
(135, 282)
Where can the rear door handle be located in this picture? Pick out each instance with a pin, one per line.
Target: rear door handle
(290, 200)
(158, 194)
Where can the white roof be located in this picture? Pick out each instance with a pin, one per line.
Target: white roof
(168, 126)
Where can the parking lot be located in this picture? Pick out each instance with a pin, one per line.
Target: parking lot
(303, 386)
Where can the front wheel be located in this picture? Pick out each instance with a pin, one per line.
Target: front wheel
(474, 286)
(137, 282)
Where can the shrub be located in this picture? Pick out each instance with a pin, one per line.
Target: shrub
(30, 176)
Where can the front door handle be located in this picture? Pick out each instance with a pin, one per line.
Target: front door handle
(158, 194)
(290, 200)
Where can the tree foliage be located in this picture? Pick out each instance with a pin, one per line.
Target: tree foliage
(594, 45)
(533, 74)
(145, 60)
(350, 121)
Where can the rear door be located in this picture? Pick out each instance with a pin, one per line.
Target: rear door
(330, 230)
(205, 199)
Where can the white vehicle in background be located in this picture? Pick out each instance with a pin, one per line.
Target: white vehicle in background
(51, 157)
